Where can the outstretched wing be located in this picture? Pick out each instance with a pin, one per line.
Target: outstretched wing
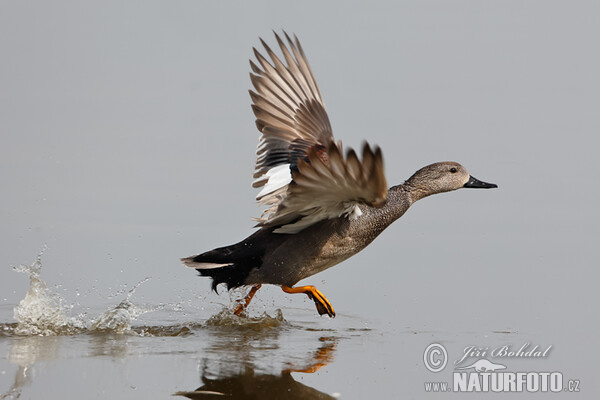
(289, 110)
(301, 170)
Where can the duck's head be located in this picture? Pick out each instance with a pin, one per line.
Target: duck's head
(442, 177)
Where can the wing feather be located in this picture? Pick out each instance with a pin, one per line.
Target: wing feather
(326, 188)
(301, 171)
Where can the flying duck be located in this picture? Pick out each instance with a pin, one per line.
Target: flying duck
(322, 205)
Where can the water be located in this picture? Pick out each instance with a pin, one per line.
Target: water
(132, 350)
(249, 355)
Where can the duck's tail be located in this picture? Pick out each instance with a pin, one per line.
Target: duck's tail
(230, 265)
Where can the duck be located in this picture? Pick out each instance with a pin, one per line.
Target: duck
(322, 205)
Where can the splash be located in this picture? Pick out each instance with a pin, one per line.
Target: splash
(225, 318)
(44, 313)
(118, 319)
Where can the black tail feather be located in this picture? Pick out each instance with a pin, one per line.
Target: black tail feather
(230, 265)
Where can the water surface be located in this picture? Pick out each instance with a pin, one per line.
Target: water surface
(131, 350)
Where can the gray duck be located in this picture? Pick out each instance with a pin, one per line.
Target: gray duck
(322, 206)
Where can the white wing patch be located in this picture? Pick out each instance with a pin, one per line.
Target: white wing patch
(278, 177)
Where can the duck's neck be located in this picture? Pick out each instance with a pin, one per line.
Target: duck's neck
(415, 191)
(399, 199)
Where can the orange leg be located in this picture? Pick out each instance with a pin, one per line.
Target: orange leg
(323, 305)
(244, 303)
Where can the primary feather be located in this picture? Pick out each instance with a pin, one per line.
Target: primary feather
(303, 176)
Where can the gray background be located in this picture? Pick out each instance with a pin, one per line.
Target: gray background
(127, 141)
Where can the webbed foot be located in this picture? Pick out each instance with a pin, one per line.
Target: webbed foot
(323, 305)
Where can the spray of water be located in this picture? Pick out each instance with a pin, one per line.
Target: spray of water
(44, 313)
(118, 319)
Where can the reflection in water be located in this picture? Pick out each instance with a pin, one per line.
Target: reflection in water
(255, 386)
(323, 356)
(25, 352)
(248, 384)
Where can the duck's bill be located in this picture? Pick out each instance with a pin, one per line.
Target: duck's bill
(477, 184)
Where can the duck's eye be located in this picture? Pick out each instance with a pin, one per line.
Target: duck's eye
(453, 170)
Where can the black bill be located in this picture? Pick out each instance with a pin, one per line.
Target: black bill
(476, 183)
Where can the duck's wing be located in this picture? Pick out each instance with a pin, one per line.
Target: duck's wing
(289, 111)
(327, 185)
(301, 170)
